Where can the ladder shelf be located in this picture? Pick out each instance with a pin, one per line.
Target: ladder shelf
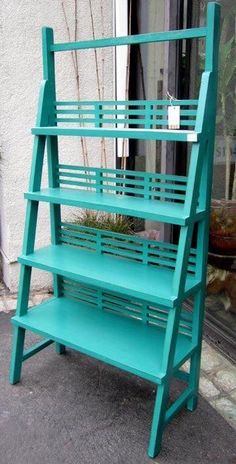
(119, 297)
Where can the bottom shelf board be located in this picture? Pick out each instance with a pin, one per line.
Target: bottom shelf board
(123, 342)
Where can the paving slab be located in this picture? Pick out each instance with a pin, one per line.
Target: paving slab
(72, 409)
(225, 379)
(226, 407)
(207, 388)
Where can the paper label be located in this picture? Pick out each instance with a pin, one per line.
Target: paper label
(173, 117)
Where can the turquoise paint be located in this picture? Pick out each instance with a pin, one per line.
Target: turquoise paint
(120, 298)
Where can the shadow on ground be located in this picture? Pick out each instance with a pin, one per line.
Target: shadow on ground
(71, 409)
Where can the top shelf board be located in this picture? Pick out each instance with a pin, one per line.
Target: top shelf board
(139, 134)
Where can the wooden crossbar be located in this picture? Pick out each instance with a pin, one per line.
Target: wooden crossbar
(192, 33)
(188, 102)
(178, 404)
(36, 348)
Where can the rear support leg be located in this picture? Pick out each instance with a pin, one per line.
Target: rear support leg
(194, 380)
(60, 349)
(195, 361)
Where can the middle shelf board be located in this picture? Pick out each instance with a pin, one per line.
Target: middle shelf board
(163, 211)
(145, 282)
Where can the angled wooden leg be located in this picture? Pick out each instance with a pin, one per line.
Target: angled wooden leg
(17, 355)
(19, 332)
(162, 396)
(55, 215)
(158, 420)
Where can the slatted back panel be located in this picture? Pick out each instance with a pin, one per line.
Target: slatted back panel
(141, 184)
(148, 114)
(124, 306)
(129, 247)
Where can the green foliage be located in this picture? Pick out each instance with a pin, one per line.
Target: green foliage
(115, 223)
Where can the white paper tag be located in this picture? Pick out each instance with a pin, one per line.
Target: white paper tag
(173, 117)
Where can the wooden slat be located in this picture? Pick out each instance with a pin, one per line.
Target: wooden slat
(100, 114)
(125, 306)
(153, 123)
(127, 133)
(127, 103)
(117, 181)
(126, 246)
(192, 33)
(128, 111)
(121, 172)
(36, 348)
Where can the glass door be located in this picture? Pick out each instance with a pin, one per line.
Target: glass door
(156, 69)
(221, 300)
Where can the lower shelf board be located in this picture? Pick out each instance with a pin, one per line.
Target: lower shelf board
(123, 342)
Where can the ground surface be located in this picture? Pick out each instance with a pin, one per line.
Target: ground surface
(71, 409)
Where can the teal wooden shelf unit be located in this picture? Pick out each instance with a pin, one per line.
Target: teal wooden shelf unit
(120, 298)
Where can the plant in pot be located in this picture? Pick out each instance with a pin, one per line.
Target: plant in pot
(223, 211)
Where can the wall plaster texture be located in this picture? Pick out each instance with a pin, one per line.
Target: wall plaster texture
(21, 72)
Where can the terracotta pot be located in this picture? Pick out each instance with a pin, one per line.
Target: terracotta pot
(223, 227)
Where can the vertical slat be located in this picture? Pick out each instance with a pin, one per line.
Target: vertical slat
(99, 181)
(146, 190)
(147, 115)
(145, 249)
(145, 313)
(98, 241)
(97, 114)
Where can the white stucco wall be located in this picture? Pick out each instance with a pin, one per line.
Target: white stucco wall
(20, 75)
